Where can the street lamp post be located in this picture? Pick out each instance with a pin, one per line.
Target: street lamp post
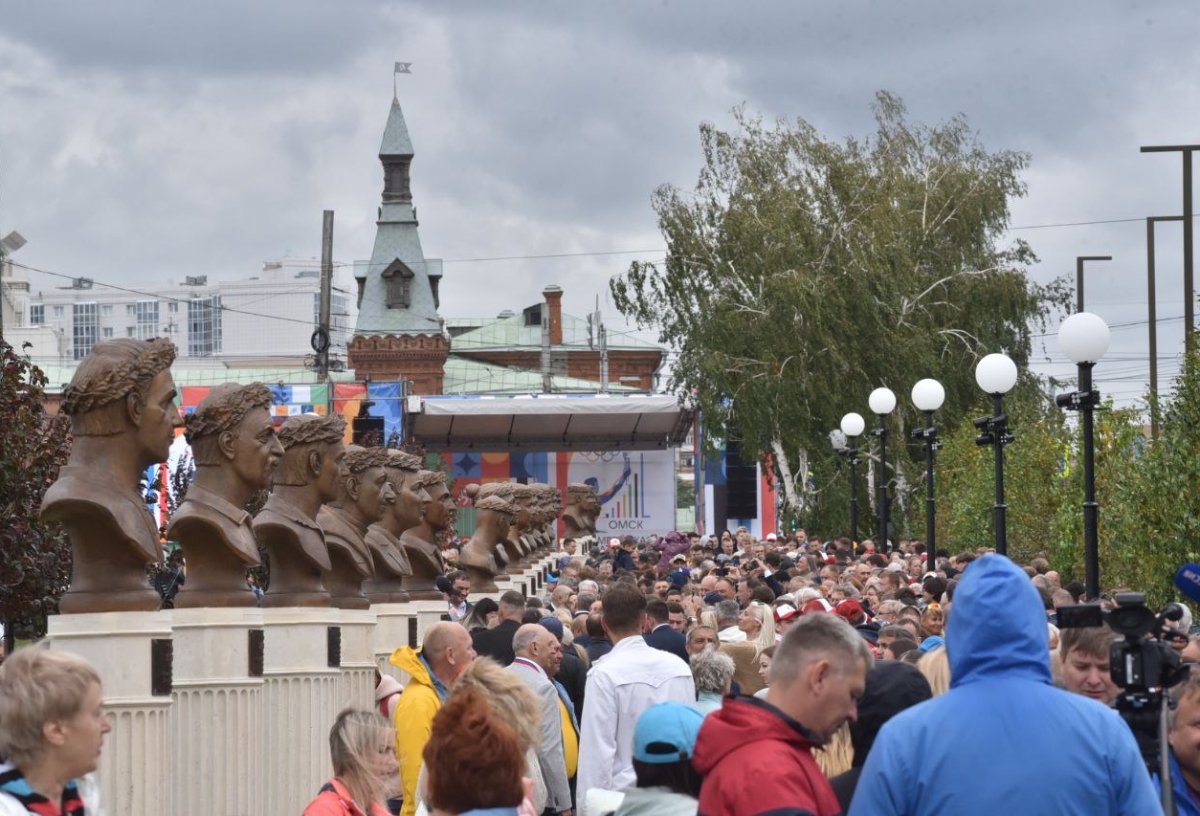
(1084, 338)
(928, 395)
(996, 374)
(852, 427)
(882, 402)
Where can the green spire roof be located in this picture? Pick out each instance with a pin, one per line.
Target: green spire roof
(395, 136)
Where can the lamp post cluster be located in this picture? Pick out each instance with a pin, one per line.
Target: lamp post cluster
(1084, 338)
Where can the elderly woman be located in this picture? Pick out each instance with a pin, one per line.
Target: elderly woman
(713, 674)
(52, 726)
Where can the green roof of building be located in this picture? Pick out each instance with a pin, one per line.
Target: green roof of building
(511, 333)
(464, 376)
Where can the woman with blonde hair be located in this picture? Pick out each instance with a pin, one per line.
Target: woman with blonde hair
(758, 622)
(935, 665)
(511, 701)
(52, 726)
(363, 748)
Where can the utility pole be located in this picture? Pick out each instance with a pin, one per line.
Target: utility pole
(547, 379)
(1079, 259)
(1189, 282)
(1152, 316)
(321, 337)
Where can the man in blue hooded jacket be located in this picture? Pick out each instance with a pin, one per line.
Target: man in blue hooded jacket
(1003, 740)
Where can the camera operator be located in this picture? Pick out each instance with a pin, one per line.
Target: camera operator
(1086, 656)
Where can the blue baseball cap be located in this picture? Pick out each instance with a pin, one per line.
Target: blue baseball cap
(554, 625)
(666, 733)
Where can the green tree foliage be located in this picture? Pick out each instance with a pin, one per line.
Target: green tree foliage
(35, 560)
(801, 273)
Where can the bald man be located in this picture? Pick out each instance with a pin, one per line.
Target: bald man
(538, 656)
(434, 667)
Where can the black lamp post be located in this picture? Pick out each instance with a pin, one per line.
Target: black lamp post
(928, 396)
(882, 402)
(852, 428)
(1084, 337)
(996, 374)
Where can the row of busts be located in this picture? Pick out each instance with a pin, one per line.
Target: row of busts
(343, 525)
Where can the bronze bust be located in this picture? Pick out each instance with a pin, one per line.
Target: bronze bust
(363, 492)
(583, 507)
(121, 402)
(236, 451)
(307, 477)
(383, 537)
(420, 541)
(484, 555)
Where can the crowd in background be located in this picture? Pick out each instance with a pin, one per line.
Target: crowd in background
(731, 675)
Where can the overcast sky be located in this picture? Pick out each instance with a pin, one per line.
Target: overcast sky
(141, 141)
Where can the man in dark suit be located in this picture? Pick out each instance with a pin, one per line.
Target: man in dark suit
(659, 633)
(497, 643)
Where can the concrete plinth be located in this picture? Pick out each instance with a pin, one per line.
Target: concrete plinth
(216, 728)
(136, 673)
(395, 626)
(535, 580)
(358, 658)
(302, 679)
(428, 613)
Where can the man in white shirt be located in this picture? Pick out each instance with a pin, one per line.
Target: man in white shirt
(626, 682)
(727, 622)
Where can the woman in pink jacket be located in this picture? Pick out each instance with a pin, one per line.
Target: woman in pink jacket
(364, 757)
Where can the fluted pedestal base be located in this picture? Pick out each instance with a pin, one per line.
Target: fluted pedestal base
(216, 727)
(121, 645)
(358, 658)
(302, 678)
(395, 626)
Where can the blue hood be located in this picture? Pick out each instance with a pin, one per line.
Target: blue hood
(997, 625)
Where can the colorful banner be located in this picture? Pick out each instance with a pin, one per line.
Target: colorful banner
(388, 399)
(286, 400)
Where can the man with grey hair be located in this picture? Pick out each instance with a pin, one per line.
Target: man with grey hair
(537, 660)
(727, 620)
(756, 754)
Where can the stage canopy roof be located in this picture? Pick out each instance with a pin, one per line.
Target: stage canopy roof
(548, 422)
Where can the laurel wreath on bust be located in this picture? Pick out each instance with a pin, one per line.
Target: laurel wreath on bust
(361, 459)
(429, 478)
(309, 429)
(403, 460)
(224, 408)
(119, 381)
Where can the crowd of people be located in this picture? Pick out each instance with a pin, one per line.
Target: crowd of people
(721, 676)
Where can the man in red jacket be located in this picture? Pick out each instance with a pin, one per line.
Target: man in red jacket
(756, 755)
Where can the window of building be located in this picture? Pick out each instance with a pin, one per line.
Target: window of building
(85, 332)
(128, 308)
(173, 307)
(37, 315)
(204, 326)
(398, 278)
(106, 310)
(130, 331)
(146, 312)
(58, 311)
(108, 332)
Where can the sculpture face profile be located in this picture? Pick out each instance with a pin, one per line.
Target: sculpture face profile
(121, 402)
(383, 538)
(308, 476)
(420, 541)
(236, 452)
(583, 507)
(363, 493)
(484, 555)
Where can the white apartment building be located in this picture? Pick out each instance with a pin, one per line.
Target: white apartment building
(265, 320)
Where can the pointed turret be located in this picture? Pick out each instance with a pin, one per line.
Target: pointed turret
(398, 291)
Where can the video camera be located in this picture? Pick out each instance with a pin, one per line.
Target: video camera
(1142, 665)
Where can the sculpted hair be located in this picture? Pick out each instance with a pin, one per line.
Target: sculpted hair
(300, 436)
(359, 459)
(38, 686)
(429, 478)
(469, 742)
(403, 460)
(111, 371)
(224, 407)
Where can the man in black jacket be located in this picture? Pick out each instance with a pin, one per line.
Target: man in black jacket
(659, 633)
(497, 643)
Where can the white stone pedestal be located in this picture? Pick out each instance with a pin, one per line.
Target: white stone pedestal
(300, 702)
(217, 763)
(531, 580)
(395, 626)
(428, 613)
(121, 645)
(358, 659)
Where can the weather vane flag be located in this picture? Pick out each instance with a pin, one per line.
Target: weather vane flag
(401, 68)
